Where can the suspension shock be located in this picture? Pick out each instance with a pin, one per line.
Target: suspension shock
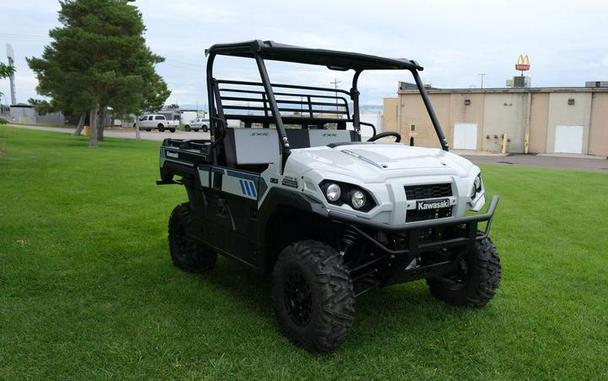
(349, 238)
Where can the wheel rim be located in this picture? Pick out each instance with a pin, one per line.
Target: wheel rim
(298, 298)
(457, 279)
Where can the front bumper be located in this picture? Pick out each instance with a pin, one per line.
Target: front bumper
(463, 233)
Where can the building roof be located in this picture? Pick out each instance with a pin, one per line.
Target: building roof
(494, 90)
(333, 59)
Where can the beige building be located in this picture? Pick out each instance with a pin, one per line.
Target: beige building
(518, 120)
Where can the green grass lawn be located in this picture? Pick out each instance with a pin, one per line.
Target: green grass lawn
(87, 289)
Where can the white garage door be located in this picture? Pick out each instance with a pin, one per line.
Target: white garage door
(569, 139)
(465, 136)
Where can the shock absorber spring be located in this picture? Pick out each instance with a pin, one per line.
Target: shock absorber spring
(349, 238)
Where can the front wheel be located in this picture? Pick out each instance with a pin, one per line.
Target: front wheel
(172, 129)
(161, 128)
(475, 280)
(186, 252)
(313, 296)
(187, 127)
(205, 128)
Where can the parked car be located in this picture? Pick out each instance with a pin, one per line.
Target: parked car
(156, 121)
(197, 124)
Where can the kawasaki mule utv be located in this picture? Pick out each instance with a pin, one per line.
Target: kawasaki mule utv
(296, 193)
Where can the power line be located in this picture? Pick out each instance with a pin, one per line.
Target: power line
(335, 82)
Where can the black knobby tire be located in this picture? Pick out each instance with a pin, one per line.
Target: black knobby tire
(187, 253)
(475, 282)
(313, 296)
(187, 127)
(161, 128)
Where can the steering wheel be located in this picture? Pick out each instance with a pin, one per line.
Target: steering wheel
(384, 135)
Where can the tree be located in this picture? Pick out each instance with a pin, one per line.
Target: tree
(6, 70)
(98, 59)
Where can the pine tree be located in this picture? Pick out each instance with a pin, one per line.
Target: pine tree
(98, 59)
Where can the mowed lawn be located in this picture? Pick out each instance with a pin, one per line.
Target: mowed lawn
(87, 290)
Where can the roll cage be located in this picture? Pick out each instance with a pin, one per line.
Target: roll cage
(269, 103)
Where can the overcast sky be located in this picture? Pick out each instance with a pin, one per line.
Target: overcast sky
(567, 41)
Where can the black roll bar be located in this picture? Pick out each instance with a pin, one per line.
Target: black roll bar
(275, 109)
(254, 50)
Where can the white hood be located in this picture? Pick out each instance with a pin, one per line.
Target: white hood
(378, 162)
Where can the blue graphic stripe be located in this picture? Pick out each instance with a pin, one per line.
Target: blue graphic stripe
(252, 188)
(243, 190)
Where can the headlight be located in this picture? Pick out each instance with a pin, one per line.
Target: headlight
(338, 193)
(358, 199)
(333, 192)
(476, 189)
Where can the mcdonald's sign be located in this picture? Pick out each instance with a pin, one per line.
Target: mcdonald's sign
(523, 63)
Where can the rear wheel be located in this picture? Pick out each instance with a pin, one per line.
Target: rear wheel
(474, 282)
(148, 129)
(205, 128)
(313, 296)
(187, 127)
(172, 129)
(187, 253)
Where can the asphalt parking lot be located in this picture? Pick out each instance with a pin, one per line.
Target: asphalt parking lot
(129, 133)
(545, 161)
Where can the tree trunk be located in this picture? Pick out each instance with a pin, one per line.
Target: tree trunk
(101, 124)
(93, 123)
(80, 125)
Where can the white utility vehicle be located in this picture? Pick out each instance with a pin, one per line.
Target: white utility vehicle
(156, 122)
(197, 124)
(328, 215)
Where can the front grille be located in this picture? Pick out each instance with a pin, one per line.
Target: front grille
(421, 192)
(422, 215)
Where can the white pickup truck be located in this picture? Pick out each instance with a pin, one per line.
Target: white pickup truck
(156, 121)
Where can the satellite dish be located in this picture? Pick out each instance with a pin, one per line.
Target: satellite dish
(10, 53)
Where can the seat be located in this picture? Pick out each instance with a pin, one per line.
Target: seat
(251, 147)
(325, 137)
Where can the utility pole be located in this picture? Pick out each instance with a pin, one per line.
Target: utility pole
(335, 82)
(481, 75)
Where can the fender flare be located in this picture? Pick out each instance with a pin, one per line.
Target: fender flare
(276, 198)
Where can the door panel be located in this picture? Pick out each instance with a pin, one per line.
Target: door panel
(465, 136)
(569, 139)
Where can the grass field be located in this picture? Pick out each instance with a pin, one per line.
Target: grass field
(87, 290)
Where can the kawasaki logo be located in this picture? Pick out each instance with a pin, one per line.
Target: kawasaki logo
(435, 204)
